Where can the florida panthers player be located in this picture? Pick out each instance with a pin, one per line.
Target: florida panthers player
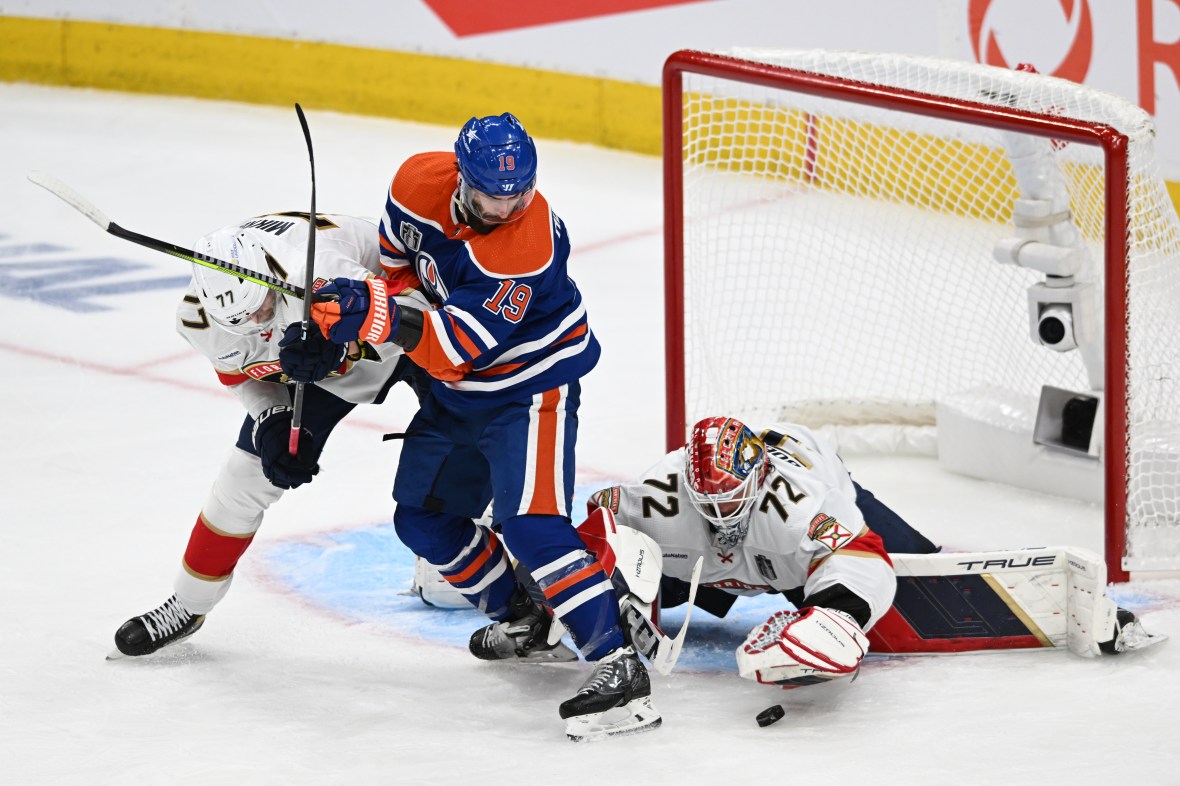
(507, 344)
(251, 335)
(775, 512)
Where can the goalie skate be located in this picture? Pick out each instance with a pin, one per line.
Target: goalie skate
(1130, 635)
(614, 700)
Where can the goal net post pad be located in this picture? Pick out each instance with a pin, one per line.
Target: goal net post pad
(997, 600)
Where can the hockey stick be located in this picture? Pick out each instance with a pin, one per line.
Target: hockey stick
(651, 642)
(669, 651)
(308, 280)
(87, 208)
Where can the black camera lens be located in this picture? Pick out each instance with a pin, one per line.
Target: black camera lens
(1051, 330)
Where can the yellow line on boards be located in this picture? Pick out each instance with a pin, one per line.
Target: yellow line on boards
(352, 80)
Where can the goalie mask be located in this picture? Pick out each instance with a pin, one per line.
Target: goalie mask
(236, 304)
(497, 169)
(725, 468)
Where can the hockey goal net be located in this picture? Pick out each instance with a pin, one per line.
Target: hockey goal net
(832, 222)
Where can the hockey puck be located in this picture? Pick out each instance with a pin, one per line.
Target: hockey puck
(772, 714)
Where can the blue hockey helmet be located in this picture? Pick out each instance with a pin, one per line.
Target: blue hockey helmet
(497, 168)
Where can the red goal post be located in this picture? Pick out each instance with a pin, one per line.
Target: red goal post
(764, 149)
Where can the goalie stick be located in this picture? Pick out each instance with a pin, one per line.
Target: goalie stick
(88, 209)
(308, 280)
(661, 650)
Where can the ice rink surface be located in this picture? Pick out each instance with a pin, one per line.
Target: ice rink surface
(315, 669)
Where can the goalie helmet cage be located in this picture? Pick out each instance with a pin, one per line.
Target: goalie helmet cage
(830, 220)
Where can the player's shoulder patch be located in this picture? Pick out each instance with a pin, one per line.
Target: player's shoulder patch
(607, 498)
(828, 531)
(410, 235)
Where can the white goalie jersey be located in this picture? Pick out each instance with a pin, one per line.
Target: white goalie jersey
(805, 528)
(345, 247)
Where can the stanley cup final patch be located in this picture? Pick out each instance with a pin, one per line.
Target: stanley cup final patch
(826, 530)
(410, 235)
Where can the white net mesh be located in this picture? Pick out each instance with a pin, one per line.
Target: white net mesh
(838, 261)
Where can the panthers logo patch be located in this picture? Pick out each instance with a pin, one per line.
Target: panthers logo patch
(826, 530)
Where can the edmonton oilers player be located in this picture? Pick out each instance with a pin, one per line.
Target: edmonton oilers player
(506, 343)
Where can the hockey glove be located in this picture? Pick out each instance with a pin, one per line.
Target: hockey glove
(348, 310)
(311, 360)
(805, 647)
(272, 432)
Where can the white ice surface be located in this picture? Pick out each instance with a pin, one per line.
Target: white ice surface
(112, 429)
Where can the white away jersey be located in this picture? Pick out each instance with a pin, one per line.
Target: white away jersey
(805, 529)
(345, 247)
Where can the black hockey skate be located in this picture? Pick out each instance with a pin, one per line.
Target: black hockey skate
(1129, 635)
(522, 637)
(616, 699)
(158, 628)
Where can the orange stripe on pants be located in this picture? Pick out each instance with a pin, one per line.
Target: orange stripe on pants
(572, 579)
(544, 484)
(458, 578)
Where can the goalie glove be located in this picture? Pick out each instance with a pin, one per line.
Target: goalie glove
(795, 648)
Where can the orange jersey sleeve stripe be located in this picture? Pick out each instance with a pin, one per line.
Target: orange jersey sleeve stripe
(385, 244)
(464, 339)
(580, 330)
(494, 370)
(508, 368)
(430, 356)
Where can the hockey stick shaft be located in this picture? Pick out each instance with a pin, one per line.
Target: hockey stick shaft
(669, 650)
(662, 650)
(308, 280)
(88, 209)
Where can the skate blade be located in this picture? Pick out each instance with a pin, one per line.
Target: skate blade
(558, 654)
(1134, 638)
(632, 718)
(117, 654)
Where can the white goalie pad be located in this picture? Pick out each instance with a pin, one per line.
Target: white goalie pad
(1046, 597)
(636, 561)
(627, 555)
(433, 589)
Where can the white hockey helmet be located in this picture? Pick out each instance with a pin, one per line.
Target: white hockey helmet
(724, 471)
(236, 304)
